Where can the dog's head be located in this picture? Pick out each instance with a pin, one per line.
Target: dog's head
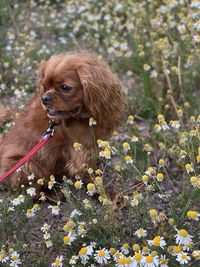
(81, 86)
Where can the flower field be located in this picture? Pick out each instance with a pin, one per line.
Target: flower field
(151, 162)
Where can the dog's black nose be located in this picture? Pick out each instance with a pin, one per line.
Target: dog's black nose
(47, 99)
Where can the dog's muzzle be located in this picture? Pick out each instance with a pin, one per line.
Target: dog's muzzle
(47, 99)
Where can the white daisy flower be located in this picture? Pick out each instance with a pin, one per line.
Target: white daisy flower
(140, 233)
(45, 228)
(3, 257)
(84, 253)
(128, 159)
(183, 258)
(118, 255)
(150, 261)
(102, 256)
(30, 213)
(134, 202)
(134, 139)
(157, 242)
(31, 191)
(68, 239)
(121, 261)
(58, 262)
(175, 124)
(73, 260)
(92, 122)
(137, 259)
(77, 146)
(146, 67)
(15, 261)
(48, 243)
(31, 177)
(126, 146)
(55, 209)
(46, 236)
(106, 153)
(16, 201)
(182, 237)
(125, 249)
(91, 189)
(74, 213)
(130, 119)
(163, 261)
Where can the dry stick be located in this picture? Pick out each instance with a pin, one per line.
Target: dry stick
(170, 87)
(179, 77)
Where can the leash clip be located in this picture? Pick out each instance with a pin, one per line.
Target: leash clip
(50, 131)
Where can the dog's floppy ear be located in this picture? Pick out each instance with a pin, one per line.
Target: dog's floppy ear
(40, 74)
(102, 92)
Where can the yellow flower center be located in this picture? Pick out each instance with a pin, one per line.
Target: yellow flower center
(122, 261)
(78, 184)
(126, 246)
(154, 253)
(40, 181)
(69, 225)
(101, 253)
(145, 249)
(36, 206)
(177, 249)
(66, 239)
(128, 260)
(160, 117)
(57, 262)
(163, 261)
(77, 146)
(117, 254)
(138, 256)
(137, 196)
(183, 257)
(160, 177)
(153, 213)
(189, 245)
(98, 179)
(151, 170)
(105, 143)
(149, 259)
(161, 162)
(90, 187)
(14, 257)
(128, 158)
(183, 233)
(112, 251)
(83, 251)
(29, 211)
(156, 241)
(130, 118)
(145, 178)
(107, 152)
(136, 247)
(188, 166)
(125, 145)
(192, 214)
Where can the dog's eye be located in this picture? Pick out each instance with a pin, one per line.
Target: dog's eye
(65, 87)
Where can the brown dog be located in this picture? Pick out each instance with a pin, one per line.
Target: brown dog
(71, 88)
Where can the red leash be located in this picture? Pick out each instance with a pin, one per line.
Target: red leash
(45, 137)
